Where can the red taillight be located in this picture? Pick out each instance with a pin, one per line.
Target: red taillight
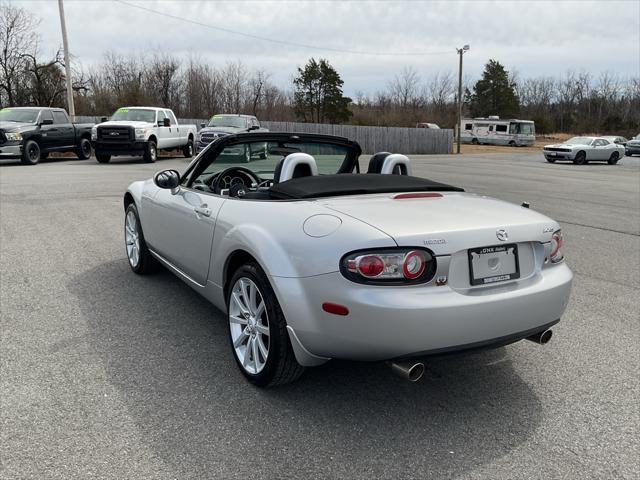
(413, 265)
(370, 266)
(399, 265)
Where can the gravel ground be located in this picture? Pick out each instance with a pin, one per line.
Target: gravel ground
(104, 374)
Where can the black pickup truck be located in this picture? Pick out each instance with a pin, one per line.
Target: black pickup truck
(30, 133)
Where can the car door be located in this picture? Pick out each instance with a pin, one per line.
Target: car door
(49, 132)
(164, 134)
(180, 228)
(65, 133)
(600, 149)
(174, 130)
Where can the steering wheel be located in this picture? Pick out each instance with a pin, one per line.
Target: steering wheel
(232, 178)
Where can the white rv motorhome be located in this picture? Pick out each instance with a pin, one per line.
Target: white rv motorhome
(497, 131)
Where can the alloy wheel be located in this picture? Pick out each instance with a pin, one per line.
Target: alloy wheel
(33, 152)
(132, 239)
(249, 325)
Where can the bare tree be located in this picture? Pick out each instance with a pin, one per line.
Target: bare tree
(405, 86)
(17, 38)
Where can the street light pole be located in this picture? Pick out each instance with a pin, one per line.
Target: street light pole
(67, 65)
(459, 127)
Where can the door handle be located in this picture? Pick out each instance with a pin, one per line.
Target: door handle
(203, 210)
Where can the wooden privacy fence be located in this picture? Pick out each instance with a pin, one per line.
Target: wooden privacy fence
(371, 139)
(377, 139)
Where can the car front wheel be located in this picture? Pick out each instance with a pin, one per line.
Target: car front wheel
(103, 158)
(258, 330)
(580, 159)
(30, 153)
(151, 152)
(551, 160)
(613, 159)
(140, 259)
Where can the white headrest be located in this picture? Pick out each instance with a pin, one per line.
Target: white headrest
(293, 162)
(396, 160)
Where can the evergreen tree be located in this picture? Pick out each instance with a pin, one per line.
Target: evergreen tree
(494, 93)
(318, 94)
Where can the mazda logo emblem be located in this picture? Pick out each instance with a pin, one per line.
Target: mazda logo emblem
(502, 235)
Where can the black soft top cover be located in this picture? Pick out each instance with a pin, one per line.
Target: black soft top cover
(355, 184)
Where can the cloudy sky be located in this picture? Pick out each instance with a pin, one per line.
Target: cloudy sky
(367, 41)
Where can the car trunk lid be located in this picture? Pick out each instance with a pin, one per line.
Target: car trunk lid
(447, 222)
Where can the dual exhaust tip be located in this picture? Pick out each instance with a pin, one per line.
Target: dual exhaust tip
(414, 371)
(409, 370)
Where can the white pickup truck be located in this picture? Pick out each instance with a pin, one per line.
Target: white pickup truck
(141, 131)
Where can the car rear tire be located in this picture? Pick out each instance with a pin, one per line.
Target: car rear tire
(30, 153)
(150, 152)
(83, 152)
(551, 160)
(580, 159)
(613, 159)
(258, 330)
(187, 151)
(103, 158)
(140, 259)
(512, 143)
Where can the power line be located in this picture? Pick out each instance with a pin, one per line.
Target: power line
(276, 40)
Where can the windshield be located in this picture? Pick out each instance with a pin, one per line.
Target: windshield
(227, 121)
(579, 141)
(19, 115)
(135, 115)
(263, 157)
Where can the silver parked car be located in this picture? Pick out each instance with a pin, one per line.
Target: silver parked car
(312, 260)
(582, 150)
(632, 146)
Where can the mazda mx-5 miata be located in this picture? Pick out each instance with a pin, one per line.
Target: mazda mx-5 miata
(312, 260)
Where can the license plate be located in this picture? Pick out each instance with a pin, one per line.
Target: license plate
(494, 264)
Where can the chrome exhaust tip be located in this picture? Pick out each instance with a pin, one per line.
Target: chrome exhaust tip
(412, 371)
(542, 337)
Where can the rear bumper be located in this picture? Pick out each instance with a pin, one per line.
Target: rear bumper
(127, 148)
(395, 322)
(11, 151)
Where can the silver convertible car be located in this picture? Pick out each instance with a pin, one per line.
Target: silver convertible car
(582, 150)
(313, 260)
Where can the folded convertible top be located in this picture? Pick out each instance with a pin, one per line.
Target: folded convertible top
(355, 184)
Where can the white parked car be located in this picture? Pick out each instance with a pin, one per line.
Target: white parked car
(141, 131)
(581, 150)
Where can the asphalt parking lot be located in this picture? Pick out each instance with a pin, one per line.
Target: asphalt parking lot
(104, 374)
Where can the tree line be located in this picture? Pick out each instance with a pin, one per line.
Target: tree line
(575, 102)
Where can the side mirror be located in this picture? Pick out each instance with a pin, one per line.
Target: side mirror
(254, 127)
(203, 124)
(167, 179)
(103, 119)
(166, 122)
(47, 121)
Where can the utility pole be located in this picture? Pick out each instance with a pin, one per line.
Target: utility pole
(459, 126)
(67, 65)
